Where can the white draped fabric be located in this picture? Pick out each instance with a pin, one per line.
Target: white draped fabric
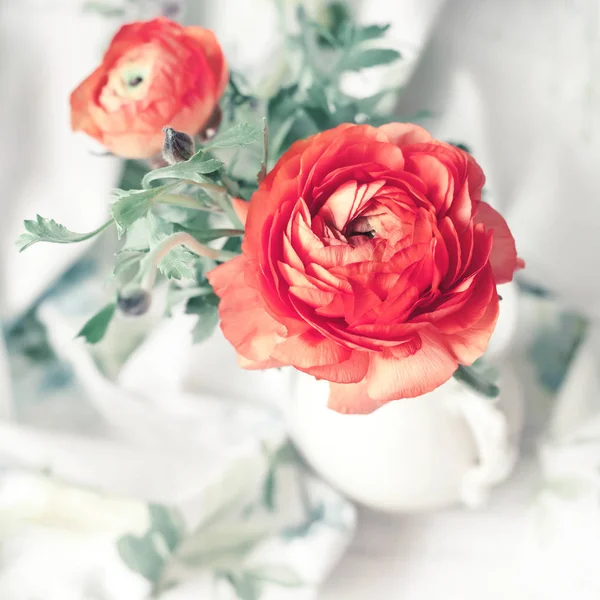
(518, 81)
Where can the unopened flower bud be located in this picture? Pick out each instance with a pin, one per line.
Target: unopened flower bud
(134, 303)
(178, 146)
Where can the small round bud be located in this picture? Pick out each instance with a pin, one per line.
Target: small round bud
(134, 303)
(178, 146)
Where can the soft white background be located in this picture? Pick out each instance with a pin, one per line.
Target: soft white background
(517, 80)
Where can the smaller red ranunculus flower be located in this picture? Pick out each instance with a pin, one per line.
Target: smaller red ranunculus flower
(369, 260)
(154, 74)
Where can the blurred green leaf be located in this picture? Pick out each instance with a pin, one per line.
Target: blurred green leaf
(141, 556)
(95, 329)
(280, 574)
(206, 307)
(163, 522)
(370, 32)
(372, 57)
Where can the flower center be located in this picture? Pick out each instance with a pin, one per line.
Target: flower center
(360, 226)
(128, 81)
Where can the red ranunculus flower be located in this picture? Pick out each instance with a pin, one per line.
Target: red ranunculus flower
(369, 260)
(154, 74)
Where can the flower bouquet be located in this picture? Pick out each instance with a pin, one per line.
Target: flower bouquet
(317, 230)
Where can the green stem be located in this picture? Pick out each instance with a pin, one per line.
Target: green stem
(173, 241)
(186, 202)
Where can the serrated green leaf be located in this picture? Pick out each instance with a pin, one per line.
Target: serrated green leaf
(194, 169)
(133, 205)
(140, 555)
(179, 263)
(371, 57)
(95, 329)
(280, 574)
(48, 230)
(241, 134)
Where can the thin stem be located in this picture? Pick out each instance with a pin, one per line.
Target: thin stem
(187, 202)
(173, 241)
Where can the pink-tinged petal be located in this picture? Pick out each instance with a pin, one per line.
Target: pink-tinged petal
(452, 244)
(461, 209)
(312, 296)
(252, 331)
(352, 370)
(208, 43)
(241, 209)
(476, 179)
(310, 349)
(226, 274)
(437, 178)
(503, 257)
(254, 365)
(342, 206)
(469, 311)
(391, 377)
(81, 99)
(401, 134)
(351, 398)
(468, 345)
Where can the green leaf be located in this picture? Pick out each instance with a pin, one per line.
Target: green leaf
(179, 263)
(133, 173)
(246, 587)
(472, 378)
(241, 134)
(127, 258)
(370, 32)
(133, 205)
(280, 574)
(141, 556)
(161, 521)
(194, 169)
(206, 307)
(285, 454)
(371, 57)
(95, 329)
(337, 18)
(48, 230)
(105, 11)
(176, 294)
(210, 234)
